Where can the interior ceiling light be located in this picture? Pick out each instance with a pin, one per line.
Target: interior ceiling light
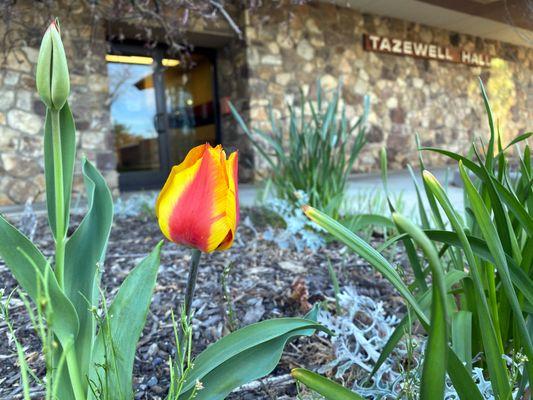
(168, 62)
(142, 60)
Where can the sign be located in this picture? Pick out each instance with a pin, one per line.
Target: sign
(429, 51)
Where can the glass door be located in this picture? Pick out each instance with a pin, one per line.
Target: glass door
(190, 105)
(160, 108)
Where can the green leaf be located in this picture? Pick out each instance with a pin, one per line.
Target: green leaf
(85, 251)
(244, 355)
(490, 235)
(514, 205)
(424, 300)
(29, 267)
(329, 389)
(366, 251)
(360, 221)
(434, 368)
(462, 379)
(421, 207)
(457, 157)
(68, 154)
(480, 249)
(462, 337)
(490, 149)
(117, 339)
(412, 256)
(518, 139)
(491, 342)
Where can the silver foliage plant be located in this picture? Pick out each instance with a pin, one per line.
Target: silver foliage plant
(361, 332)
(299, 232)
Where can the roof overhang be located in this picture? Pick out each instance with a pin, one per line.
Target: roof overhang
(508, 21)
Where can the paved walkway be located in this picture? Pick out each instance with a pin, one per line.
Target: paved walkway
(368, 188)
(365, 193)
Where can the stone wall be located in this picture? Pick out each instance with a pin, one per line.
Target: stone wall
(22, 113)
(232, 71)
(293, 45)
(285, 46)
(85, 39)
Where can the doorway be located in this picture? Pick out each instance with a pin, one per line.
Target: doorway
(160, 108)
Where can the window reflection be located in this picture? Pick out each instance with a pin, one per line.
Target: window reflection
(133, 110)
(190, 106)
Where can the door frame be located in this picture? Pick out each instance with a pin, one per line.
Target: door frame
(154, 179)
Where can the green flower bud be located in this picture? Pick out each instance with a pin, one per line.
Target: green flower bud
(52, 77)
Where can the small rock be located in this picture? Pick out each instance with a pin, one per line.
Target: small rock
(293, 267)
(157, 361)
(152, 381)
(392, 102)
(7, 98)
(151, 350)
(305, 50)
(255, 312)
(11, 78)
(271, 59)
(24, 121)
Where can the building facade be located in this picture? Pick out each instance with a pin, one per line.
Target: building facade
(138, 109)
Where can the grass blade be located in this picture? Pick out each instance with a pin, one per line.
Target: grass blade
(368, 253)
(323, 386)
(434, 368)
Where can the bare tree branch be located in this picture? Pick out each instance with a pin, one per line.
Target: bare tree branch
(228, 18)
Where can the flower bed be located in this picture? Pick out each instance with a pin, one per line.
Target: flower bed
(264, 282)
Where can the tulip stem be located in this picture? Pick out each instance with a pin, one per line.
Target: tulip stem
(191, 282)
(60, 236)
(74, 373)
(59, 198)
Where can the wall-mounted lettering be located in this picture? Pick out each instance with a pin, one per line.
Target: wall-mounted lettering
(411, 48)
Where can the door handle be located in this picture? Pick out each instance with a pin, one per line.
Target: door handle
(159, 122)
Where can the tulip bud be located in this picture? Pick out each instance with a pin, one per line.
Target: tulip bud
(199, 204)
(52, 77)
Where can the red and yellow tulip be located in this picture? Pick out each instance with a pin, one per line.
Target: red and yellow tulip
(199, 205)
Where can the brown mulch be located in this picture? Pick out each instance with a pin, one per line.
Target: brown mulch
(265, 282)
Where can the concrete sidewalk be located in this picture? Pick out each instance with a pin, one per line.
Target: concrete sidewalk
(368, 186)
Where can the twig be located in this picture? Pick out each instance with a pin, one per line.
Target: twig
(227, 17)
(258, 384)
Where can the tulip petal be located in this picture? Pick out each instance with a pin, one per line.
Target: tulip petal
(233, 172)
(232, 210)
(198, 218)
(192, 157)
(178, 180)
(198, 205)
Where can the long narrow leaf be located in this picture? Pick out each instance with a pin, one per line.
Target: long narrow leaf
(329, 389)
(368, 253)
(85, 251)
(29, 267)
(117, 339)
(491, 236)
(492, 345)
(434, 368)
(244, 355)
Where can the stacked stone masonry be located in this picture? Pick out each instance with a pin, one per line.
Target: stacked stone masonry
(290, 46)
(284, 46)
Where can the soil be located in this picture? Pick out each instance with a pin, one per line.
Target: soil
(264, 282)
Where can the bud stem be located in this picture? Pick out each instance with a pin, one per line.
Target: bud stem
(191, 283)
(72, 362)
(189, 294)
(74, 373)
(59, 198)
